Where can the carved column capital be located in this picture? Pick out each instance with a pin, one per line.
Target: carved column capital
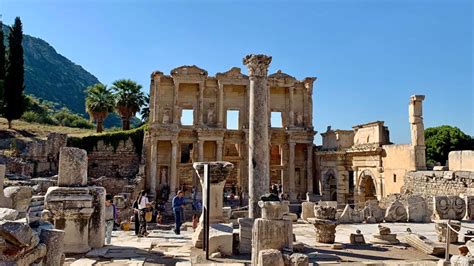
(257, 64)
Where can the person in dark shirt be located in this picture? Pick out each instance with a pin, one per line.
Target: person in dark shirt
(178, 204)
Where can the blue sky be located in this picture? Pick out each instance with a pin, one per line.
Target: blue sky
(369, 56)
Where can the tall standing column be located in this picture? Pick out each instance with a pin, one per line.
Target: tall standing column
(259, 172)
(309, 169)
(201, 103)
(292, 112)
(291, 171)
(308, 84)
(173, 171)
(219, 150)
(153, 167)
(220, 92)
(415, 112)
(175, 102)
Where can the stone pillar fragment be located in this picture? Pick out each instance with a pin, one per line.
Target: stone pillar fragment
(173, 171)
(292, 112)
(153, 167)
(53, 239)
(97, 221)
(309, 168)
(291, 171)
(219, 150)
(220, 92)
(72, 167)
(415, 112)
(259, 172)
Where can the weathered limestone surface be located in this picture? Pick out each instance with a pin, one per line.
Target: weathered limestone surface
(325, 230)
(384, 236)
(97, 220)
(441, 230)
(245, 235)
(259, 158)
(449, 207)
(350, 215)
(270, 257)
(357, 238)
(461, 160)
(27, 258)
(470, 207)
(307, 210)
(325, 212)
(19, 234)
(4, 202)
(221, 239)
(72, 167)
(271, 234)
(19, 197)
(439, 183)
(373, 213)
(417, 209)
(396, 212)
(273, 210)
(424, 245)
(8, 214)
(53, 239)
(298, 259)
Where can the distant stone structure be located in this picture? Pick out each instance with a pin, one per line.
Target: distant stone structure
(173, 144)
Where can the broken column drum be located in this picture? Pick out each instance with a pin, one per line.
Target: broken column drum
(218, 172)
(259, 158)
(324, 224)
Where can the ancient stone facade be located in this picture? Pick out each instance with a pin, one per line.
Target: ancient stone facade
(354, 166)
(213, 134)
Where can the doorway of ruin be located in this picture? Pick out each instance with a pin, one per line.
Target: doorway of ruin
(330, 186)
(367, 187)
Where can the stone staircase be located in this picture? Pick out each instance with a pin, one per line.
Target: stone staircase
(36, 207)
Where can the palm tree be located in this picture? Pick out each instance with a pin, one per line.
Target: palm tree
(99, 103)
(129, 99)
(145, 111)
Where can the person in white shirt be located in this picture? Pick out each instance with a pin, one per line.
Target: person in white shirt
(143, 207)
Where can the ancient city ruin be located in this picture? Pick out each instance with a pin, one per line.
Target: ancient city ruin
(357, 192)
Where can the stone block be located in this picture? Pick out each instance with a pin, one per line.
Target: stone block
(350, 215)
(325, 230)
(291, 217)
(307, 210)
(396, 212)
(240, 214)
(390, 239)
(372, 212)
(19, 234)
(72, 167)
(97, 220)
(273, 210)
(357, 239)
(20, 197)
(470, 207)
(271, 234)
(53, 239)
(8, 214)
(449, 207)
(424, 245)
(221, 239)
(417, 209)
(28, 257)
(325, 212)
(245, 235)
(461, 160)
(270, 257)
(298, 259)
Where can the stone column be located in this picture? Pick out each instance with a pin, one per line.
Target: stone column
(309, 168)
(53, 239)
(97, 222)
(219, 150)
(246, 107)
(244, 178)
(291, 170)
(153, 167)
(259, 172)
(173, 167)
(308, 84)
(220, 92)
(175, 103)
(201, 102)
(218, 171)
(415, 112)
(282, 171)
(201, 150)
(292, 113)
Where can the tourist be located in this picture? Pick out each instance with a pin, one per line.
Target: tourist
(111, 216)
(136, 211)
(143, 205)
(275, 189)
(178, 204)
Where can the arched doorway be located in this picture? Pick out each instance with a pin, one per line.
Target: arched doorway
(330, 186)
(367, 189)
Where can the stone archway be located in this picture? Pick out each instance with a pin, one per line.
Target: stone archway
(367, 188)
(330, 186)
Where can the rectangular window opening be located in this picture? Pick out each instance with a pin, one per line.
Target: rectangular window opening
(187, 117)
(276, 120)
(232, 120)
(394, 178)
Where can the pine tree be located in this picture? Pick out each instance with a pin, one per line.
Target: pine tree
(14, 78)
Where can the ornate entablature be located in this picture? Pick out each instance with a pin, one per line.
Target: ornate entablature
(234, 136)
(210, 133)
(301, 136)
(281, 79)
(233, 76)
(189, 73)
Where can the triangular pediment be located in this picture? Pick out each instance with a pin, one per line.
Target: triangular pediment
(281, 75)
(233, 73)
(188, 71)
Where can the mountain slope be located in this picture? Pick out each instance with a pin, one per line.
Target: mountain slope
(53, 77)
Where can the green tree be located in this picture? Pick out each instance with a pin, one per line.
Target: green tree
(441, 140)
(15, 72)
(99, 103)
(145, 111)
(129, 99)
(2, 67)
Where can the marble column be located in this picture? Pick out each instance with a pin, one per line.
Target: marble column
(291, 171)
(309, 168)
(291, 113)
(153, 167)
(220, 92)
(219, 150)
(201, 150)
(308, 84)
(173, 167)
(175, 103)
(201, 103)
(259, 172)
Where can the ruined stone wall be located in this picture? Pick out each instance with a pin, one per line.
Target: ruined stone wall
(439, 183)
(120, 162)
(397, 161)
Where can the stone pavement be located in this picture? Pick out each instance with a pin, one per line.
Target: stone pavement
(163, 247)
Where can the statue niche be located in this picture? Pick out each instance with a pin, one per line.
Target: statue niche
(211, 115)
(166, 116)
